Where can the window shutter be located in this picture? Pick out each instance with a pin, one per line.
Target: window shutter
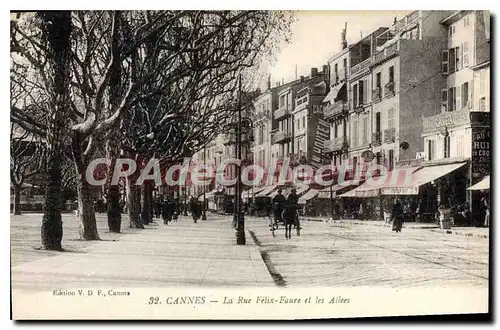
(444, 99)
(450, 99)
(465, 49)
(365, 91)
(459, 56)
(445, 62)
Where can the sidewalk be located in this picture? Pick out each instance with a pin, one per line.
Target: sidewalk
(181, 254)
(480, 232)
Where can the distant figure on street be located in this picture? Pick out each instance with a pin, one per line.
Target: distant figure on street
(397, 216)
(360, 211)
(278, 206)
(486, 205)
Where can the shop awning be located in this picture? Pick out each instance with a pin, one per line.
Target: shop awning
(325, 193)
(392, 178)
(300, 190)
(308, 195)
(419, 178)
(484, 184)
(267, 190)
(332, 95)
(251, 192)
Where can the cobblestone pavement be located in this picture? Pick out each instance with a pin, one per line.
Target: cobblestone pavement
(346, 255)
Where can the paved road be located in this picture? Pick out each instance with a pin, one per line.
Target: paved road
(355, 255)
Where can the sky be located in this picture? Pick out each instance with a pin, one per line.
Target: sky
(316, 37)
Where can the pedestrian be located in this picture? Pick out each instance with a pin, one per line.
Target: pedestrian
(486, 205)
(397, 216)
(360, 211)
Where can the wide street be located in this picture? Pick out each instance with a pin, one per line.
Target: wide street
(206, 255)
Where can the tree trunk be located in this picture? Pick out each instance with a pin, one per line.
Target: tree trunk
(88, 227)
(17, 199)
(134, 202)
(147, 203)
(113, 191)
(57, 32)
(52, 230)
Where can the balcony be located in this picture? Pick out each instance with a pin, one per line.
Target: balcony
(389, 135)
(336, 109)
(336, 144)
(280, 137)
(377, 94)
(386, 53)
(376, 138)
(389, 89)
(358, 108)
(281, 112)
(361, 66)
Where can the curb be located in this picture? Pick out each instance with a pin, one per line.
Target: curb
(448, 231)
(257, 258)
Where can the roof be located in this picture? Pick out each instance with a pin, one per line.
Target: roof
(453, 17)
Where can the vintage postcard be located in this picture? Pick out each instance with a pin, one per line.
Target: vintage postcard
(175, 165)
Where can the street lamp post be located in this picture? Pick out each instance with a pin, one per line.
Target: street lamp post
(204, 214)
(331, 187)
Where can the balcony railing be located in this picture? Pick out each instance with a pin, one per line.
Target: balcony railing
(358, 108)
(386, 52)
(361, 66)
(389, 135)
(377, 138)
(301, 103)
(336, 144)
(376, 94)
(336, 109)
(281, 112)
(389, 89)
(280, 136)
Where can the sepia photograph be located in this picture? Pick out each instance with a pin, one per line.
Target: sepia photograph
(249, 164)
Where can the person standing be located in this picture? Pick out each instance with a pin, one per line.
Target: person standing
(486, 205)
(397, 216)
(278, 205)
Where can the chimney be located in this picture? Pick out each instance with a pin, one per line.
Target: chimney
(314, 72)
(269, 82)
(301, 79)
(343, 37)
(325, 69)
(282, 81)
(395, 21)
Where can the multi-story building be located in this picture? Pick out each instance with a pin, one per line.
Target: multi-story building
(262, 128)
(336, 105)
(460, 131)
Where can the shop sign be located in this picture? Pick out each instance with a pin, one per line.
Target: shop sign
(481, 158)
(447, 119)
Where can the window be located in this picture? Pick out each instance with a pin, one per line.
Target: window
(482, 81)
(452, 99)
(304, 122)
(335, 130)
(390, 118)
(345, 68)
(391, 74)
(361, 92)
(336, 73)
(452, 60)
(354, 135)
(354, 163)
(466, 21)
(355, 96)
(379, 79)
(445, 62)
(465, 94)
(377, 122)
(391, 159)
(430, 149)
(465, 54)
(282, 101)
(444, 99)
(365, 129)
(482, 104)
(447, 146)
(379, 158)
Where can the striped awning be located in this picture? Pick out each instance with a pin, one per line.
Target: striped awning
(484, 184)
(308, 196)
(251, 192)
(266, 191)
